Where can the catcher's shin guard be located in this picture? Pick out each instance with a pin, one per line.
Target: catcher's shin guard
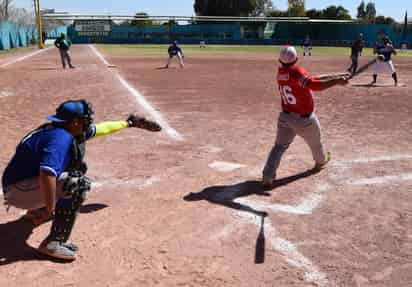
(67, 209)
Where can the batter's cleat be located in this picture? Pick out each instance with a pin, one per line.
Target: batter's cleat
(320, 166)
(57, 250)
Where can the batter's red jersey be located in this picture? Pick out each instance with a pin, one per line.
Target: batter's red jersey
(295, 88)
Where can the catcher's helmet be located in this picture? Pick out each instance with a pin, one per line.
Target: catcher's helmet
(288, 55)
(71, 110)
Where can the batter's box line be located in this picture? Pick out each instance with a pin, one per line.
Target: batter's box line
(140, 183)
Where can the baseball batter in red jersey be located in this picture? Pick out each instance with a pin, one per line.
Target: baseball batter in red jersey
(297, 116)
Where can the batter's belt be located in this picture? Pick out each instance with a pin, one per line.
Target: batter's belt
(302, 116)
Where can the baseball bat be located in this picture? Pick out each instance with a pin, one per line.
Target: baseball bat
(331, 76)
(260, 244)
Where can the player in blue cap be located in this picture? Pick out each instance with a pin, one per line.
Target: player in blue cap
(46, 175)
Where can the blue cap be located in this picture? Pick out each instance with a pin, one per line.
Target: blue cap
(70, 110)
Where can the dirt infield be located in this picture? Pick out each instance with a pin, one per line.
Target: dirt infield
(183, 208)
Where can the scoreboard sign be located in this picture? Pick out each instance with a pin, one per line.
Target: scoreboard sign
(93, 27)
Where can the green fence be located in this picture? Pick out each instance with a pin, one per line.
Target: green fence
(14, 36)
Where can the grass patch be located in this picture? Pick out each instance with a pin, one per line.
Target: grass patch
(144, 50)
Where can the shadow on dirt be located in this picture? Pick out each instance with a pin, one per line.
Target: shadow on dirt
(226, 194)
(14, 234)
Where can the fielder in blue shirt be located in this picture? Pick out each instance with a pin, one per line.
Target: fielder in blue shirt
(46, 175)
(174, 50)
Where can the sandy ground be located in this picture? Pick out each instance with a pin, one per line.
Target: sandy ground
(184, 207)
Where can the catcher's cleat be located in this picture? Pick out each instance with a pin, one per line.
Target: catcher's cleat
(73, 247)
(320, 166)
(57, 250)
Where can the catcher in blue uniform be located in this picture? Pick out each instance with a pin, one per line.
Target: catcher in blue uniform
(47, 174)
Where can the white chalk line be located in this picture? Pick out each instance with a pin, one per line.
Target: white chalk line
(5, 94)
(139, 182)
(157, 116)
(289, 250)
(381, 179)
(148, 107)
(306, 206)
(24, 57)
(99, 55)
(223, 166)
(374, 159)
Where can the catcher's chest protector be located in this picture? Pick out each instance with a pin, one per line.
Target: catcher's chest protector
(78, 152)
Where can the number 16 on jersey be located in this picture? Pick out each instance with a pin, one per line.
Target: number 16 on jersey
(287, 96)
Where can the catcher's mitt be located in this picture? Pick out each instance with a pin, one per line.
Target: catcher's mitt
(142, 123)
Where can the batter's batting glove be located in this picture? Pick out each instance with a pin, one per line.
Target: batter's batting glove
(140, 122)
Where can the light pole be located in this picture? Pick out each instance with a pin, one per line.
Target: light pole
(39, 23)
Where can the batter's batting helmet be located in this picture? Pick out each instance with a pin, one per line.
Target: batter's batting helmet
(288, 55)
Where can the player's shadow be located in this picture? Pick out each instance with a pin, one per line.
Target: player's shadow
(14, 236)
(226, 194)
(47, 69)
(165, 68)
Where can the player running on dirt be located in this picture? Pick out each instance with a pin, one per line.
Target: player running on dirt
(175, 50)
(297, 116)
(384, 50)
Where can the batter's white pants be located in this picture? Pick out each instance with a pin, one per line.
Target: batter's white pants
(290, 125)
(382, 67)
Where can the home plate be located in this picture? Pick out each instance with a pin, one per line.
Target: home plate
(225, 166)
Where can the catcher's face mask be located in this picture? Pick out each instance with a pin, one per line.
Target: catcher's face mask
(87, 118)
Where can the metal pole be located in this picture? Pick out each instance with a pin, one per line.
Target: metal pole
(39, 24)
